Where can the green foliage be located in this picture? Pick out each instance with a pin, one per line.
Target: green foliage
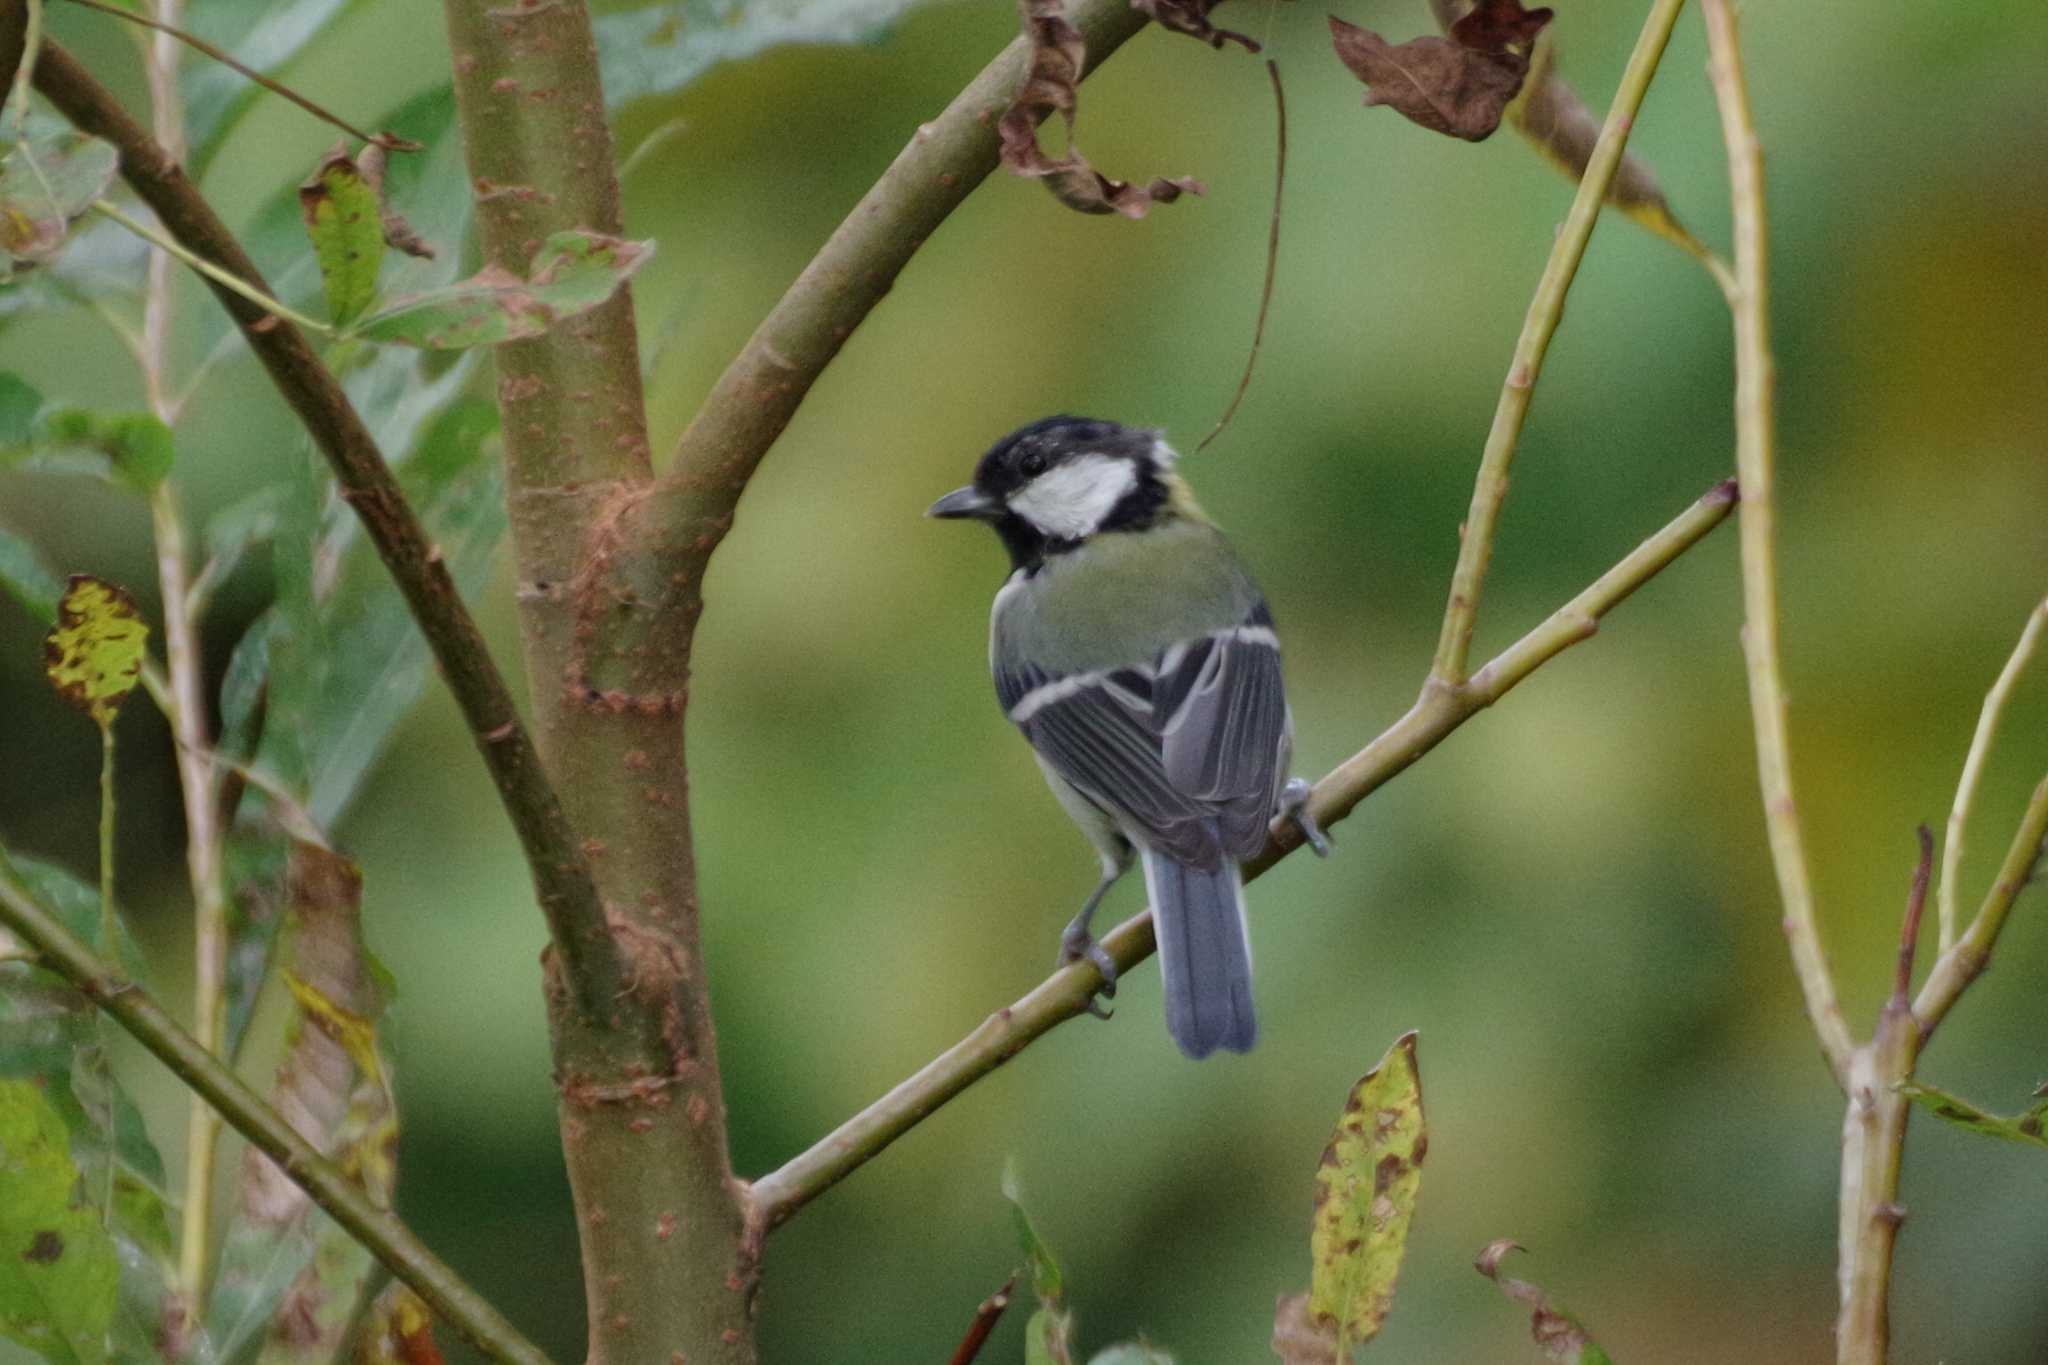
(345, 222)
(26, 579)
(134, 450)
(1049, 1333)
(58, 1273)
(262, 37)
(46, 182)
(658, 49)
(572, 273)
(2024, 1126)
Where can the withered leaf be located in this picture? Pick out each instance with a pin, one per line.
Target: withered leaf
(1192, 18)
(1552, 116)
(1562, 1337)
(398, 233)
(1460, 85)
(1057, 52)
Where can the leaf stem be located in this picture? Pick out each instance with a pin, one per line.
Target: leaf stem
(387, 141)
(323, 1181)
(1490, 489)
(1973, 769)
(1961, 964)
(1068, 992)
(212, 272)
(110, 936)
(25, 74)
(1755, 457)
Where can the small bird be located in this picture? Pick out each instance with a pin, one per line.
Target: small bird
(1134, 651)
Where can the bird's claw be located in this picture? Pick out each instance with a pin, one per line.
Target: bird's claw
(1294, 810)
(1077, 944)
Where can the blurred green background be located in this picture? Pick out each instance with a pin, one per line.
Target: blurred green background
(1571, 899)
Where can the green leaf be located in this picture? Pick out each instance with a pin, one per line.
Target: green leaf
(1562, 1337)
(1048, 1336)
(347, 660)
(572, 273)
(26, 578)
(2024, 1126)
(134, 449)
(45, 183)
(264, 37)
(1365, 1198)
(1045, 1270)
(58, 1273)
(345, 222)
(93, 655)
(658, 49)
(20, 401)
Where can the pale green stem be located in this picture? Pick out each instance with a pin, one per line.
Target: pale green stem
(1973, 769)
(25, 74)
(1454, 646)
(212, 272)
(1755, 458)
(1959, 966)
(110, 937)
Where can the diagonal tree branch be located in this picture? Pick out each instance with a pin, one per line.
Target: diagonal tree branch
(323, 1181)
(561, 875)
(1067, 992)
(1546, 310)
(760, 390)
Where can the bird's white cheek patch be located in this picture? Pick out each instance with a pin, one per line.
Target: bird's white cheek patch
(1071, 501)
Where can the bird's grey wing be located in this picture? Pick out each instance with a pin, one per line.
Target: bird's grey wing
(1096, 730)
(1221, 712)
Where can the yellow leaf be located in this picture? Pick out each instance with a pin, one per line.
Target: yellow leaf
(1365, 1198)
(354, 1032)
(93, 655)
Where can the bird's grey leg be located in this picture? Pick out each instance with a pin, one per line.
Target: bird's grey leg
(1294, 810)
(1076, 942)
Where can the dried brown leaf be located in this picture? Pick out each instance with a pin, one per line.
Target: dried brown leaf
(1057, 52)
(398, 234)
(1192, 18)
(1459, 85)
(1552, 116)
(1560, 1335)
(1299, 1337)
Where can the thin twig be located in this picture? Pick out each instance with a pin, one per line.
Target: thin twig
(1068, 992)
(224, 279)
(1490, 489)
(1755, 456)
(985, 1318)
(25, 74)
(389, 141)
(1973, 769)
(205, 860)
(323, 1181)
(1251, 360)
(554, 852)
(1909, 931)
(1960, 965)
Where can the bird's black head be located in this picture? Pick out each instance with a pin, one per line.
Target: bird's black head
(1048, 487)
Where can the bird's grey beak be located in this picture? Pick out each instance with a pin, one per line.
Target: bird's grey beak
(962, 502)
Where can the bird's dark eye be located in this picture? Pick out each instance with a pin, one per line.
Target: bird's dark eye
(1033, 463)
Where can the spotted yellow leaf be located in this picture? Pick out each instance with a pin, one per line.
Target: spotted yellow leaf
(1365, 1198)
(354, 1032)
(93, 655)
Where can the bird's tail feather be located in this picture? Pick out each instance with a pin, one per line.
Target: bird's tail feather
(1205, 954)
